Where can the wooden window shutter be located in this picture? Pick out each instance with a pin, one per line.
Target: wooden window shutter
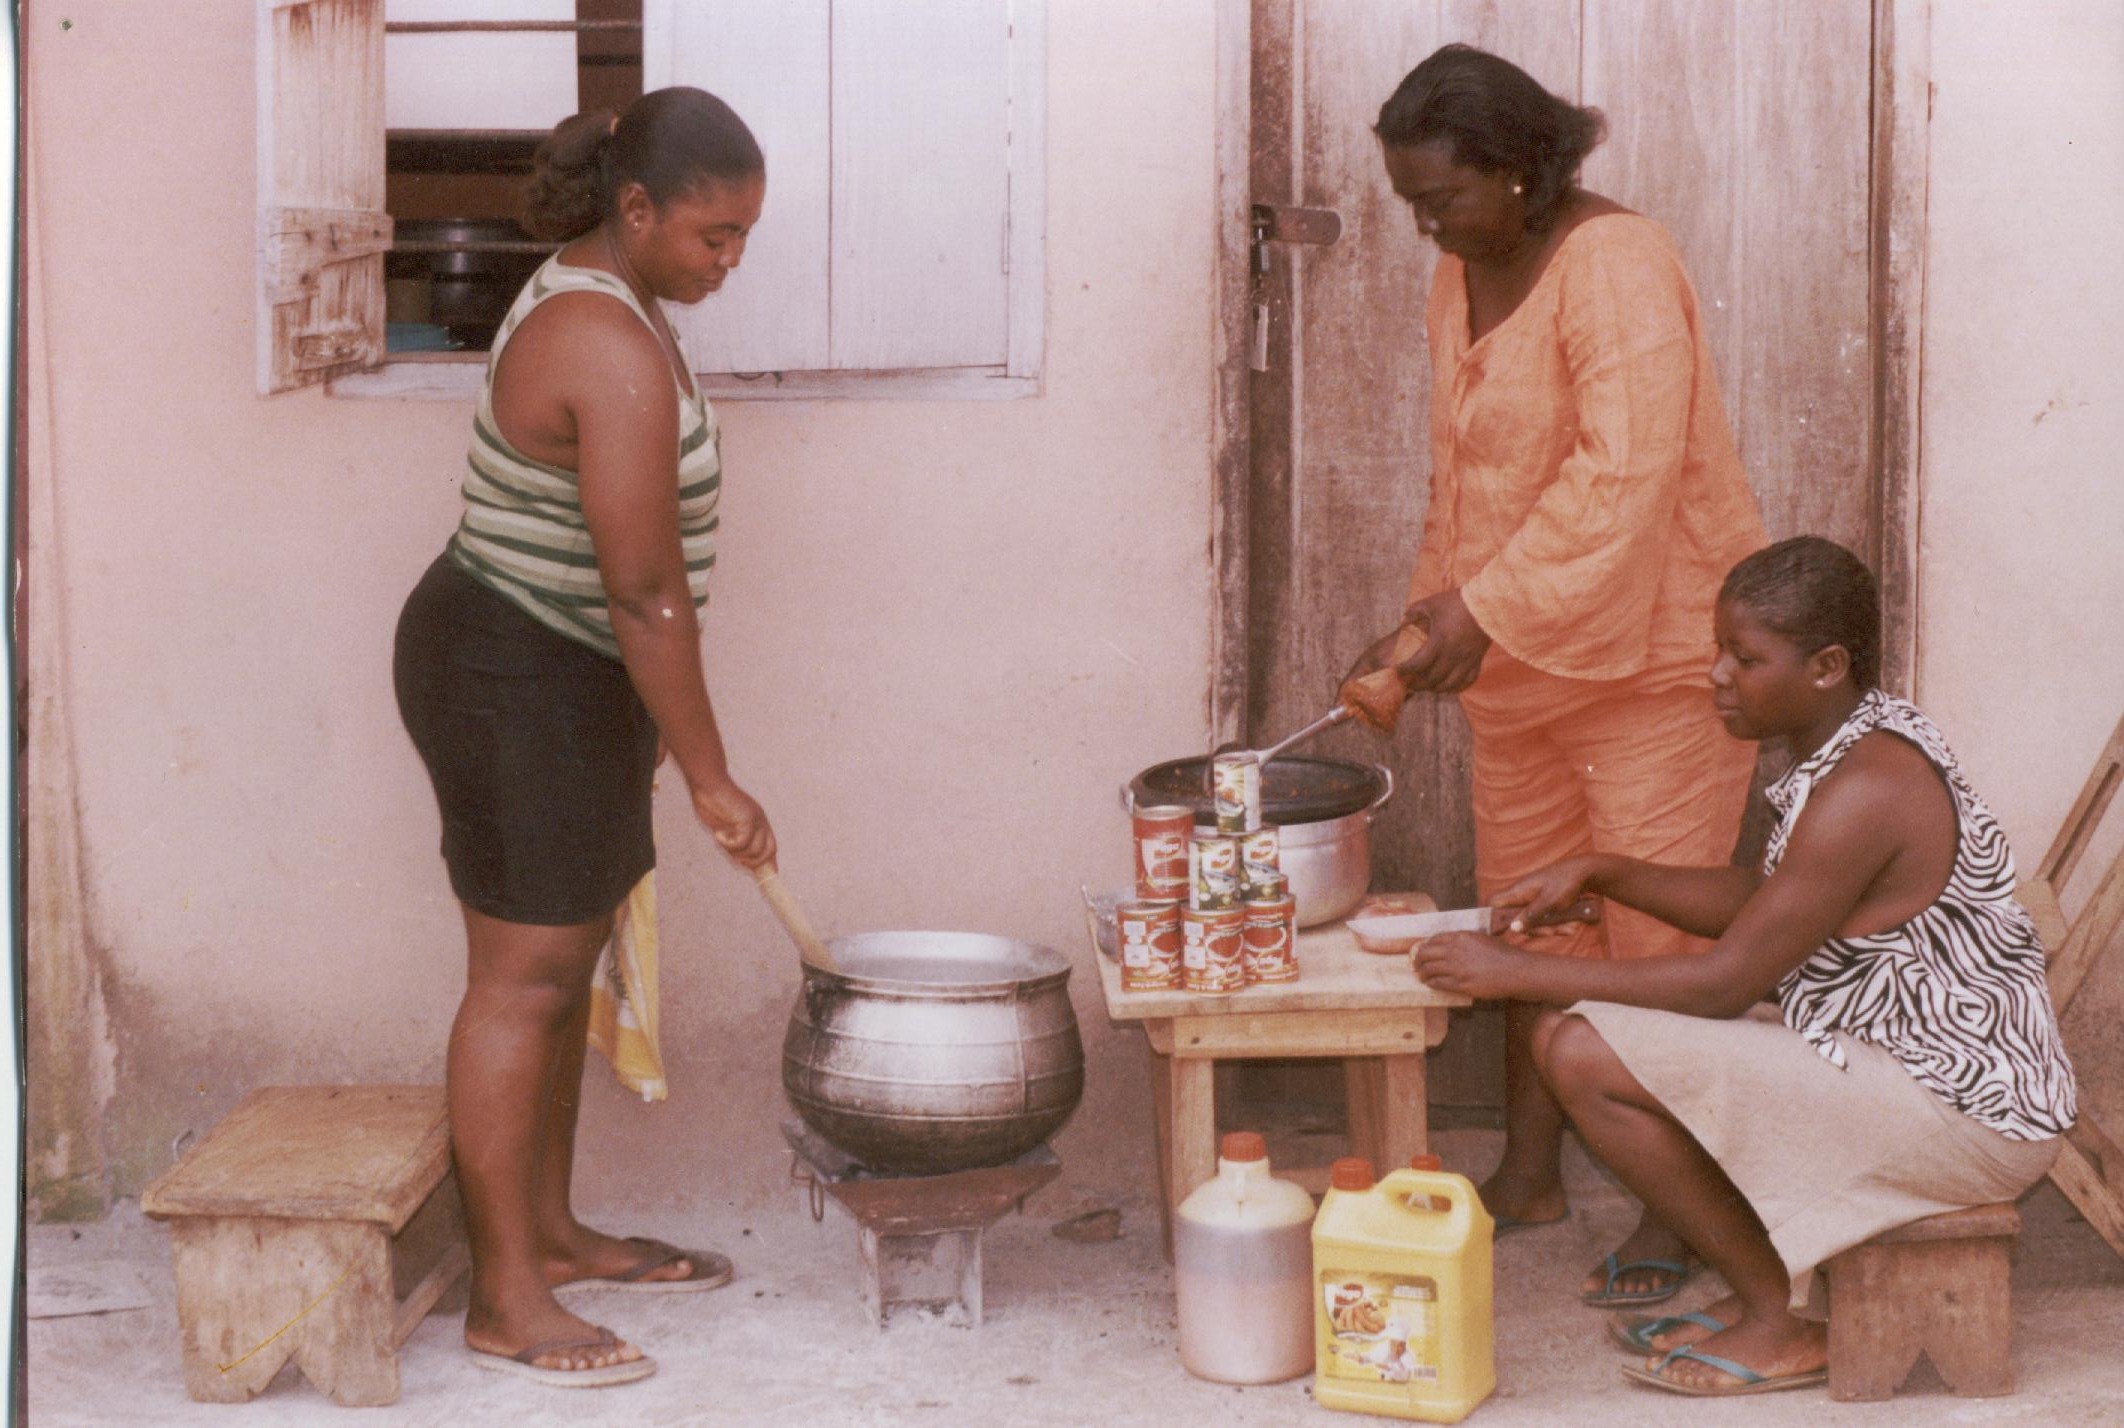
(322, 228)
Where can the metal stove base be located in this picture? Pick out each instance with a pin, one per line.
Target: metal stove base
(918, 1236)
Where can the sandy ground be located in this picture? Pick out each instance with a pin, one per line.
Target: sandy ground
(1075, 1334)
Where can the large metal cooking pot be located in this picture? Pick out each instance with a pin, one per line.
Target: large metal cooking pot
(928, 1052)
(1323, 806)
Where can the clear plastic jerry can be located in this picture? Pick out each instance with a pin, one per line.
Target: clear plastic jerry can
(1242, 1271)
(1401, 1293)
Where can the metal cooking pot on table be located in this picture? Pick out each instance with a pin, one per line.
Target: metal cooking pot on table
(1323, 806)
(928, 1052)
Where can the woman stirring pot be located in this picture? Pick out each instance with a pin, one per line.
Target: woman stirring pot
(1586, 500)
(537, 664)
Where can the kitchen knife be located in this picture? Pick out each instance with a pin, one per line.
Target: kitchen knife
(1465, 919)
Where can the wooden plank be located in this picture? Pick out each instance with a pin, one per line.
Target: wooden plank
(2089, 1174)
(1230, 428)
(320, 147)
(1976, 1222)
(1333, 975)
(921, 178)
(770, 61)
(2078, 829)
(302, 242)
(455, 1262)
(1191, 1129)
(367, 1153)
(1902, 126)
(1365, 1032)
(457, 377)
(1389, 1109)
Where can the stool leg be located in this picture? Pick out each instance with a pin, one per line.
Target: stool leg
(349, 1344)
(1873, 1343)
(1388, 1108)
(1949, 1300)
(253, 1292)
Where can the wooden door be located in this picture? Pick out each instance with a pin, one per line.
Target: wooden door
(1745, 129)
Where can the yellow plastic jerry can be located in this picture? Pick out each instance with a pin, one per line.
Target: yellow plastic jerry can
(1401, 1308)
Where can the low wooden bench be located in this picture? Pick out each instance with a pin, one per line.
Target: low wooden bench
(316, 1223)
(1938, 1287)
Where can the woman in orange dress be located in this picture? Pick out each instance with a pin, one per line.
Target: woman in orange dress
(1586, 500)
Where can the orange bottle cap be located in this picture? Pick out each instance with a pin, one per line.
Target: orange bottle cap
(1425, 1162)
(1352, 1172)
(1243, 1145)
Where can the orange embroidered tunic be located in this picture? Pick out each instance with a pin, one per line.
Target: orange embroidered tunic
(1586, 495)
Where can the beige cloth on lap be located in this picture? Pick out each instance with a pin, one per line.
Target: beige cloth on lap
(1829, 1158)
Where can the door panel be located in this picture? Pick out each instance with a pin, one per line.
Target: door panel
(1743, 128)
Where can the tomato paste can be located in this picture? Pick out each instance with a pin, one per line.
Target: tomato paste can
(1260, 855)
(1150, 945)
(1271, 938)
(1213, 951)
(1215, 875)
(1161, 852)
(1235, 783)
(1267, 885)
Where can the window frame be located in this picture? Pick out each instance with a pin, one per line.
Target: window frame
(454, 376)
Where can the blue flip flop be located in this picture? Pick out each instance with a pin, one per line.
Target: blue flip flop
(1750, 1380)
(1607, 1298)
(1636, 1332)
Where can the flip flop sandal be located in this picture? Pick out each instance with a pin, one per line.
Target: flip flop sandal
(1750, 1380)
(710, 1271)
(1504, 1225)
(1636, 1332)
(1610, 1298)
(521, 1364)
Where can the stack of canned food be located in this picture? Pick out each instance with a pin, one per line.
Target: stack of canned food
(1212, 913)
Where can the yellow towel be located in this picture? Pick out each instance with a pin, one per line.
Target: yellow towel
(623, 996)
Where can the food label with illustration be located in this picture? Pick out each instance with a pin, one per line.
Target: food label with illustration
(1385, 1327)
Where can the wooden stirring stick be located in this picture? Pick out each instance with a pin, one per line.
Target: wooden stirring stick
(792, 918)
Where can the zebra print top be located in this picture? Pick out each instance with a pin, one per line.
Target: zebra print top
(523, 533)
(1957, 994)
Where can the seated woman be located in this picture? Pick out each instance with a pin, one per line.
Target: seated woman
(1911, 1063)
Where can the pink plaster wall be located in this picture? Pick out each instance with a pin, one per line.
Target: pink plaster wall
(2021, 582)
(942, 634)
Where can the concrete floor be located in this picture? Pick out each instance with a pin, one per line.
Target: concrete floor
(1076, 1334)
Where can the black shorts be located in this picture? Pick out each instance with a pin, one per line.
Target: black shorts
(540, 751)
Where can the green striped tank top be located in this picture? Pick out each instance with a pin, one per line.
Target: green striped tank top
(523, 534)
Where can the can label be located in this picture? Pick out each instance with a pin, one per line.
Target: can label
(1268, 885)
(1213, 862)
(1271, 939)
(1213, 951)
(1235, 781)
(1260, 854)
(1382, 1328)
(1161, 852)
(1150, 945)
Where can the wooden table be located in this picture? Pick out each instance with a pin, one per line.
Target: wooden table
(1366, 1010)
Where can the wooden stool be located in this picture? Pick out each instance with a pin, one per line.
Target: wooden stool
(296, 1223)
(1936, 1286)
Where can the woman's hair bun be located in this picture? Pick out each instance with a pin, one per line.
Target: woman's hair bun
(670, 141)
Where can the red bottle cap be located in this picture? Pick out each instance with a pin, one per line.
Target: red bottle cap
(1425, 1162)
(1352, 1172)
(1243, 1145)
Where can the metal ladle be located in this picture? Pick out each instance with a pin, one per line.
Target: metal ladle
(1341, 713)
